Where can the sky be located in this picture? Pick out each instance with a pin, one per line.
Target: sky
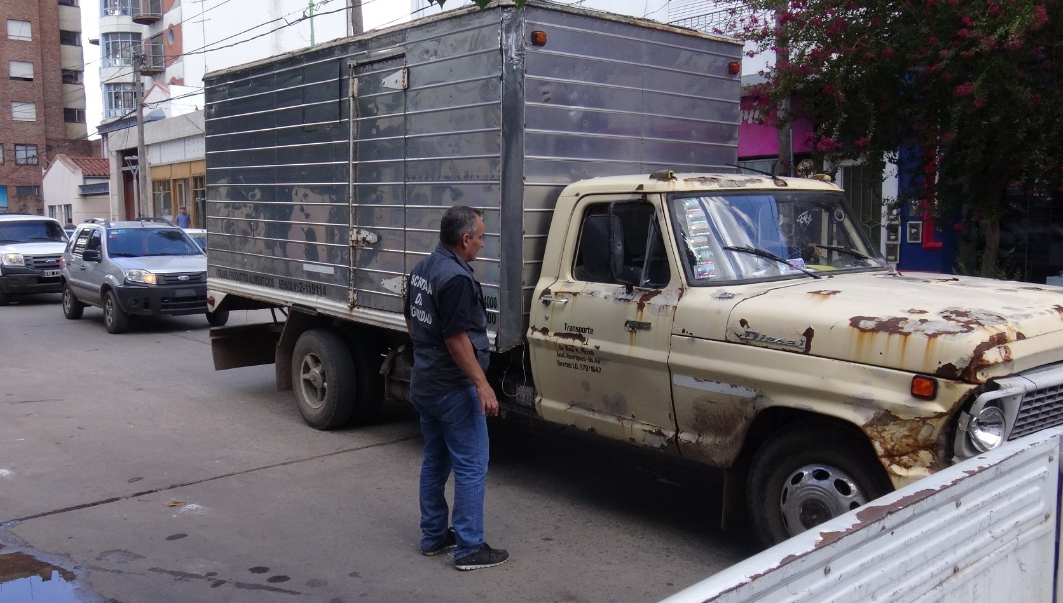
(376, 14)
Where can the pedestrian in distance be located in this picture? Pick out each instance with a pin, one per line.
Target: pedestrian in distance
(447, 320)
(182, 220)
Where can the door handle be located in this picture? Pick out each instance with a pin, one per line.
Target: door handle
(635, 325)
(547, 300)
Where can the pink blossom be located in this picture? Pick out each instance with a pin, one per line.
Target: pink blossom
(963, 89)
(1040, 14)
(979, 102)
(889, 52)
(861, 142)
(967, 21)
(827, 144)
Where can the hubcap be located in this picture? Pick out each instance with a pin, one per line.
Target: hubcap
(108, 311)
(815, 493)
(314, 382)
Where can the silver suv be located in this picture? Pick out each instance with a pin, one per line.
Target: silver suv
(30, 247)
(136, 268)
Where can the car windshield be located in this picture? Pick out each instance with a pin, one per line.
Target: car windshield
(742, 237)
(141, 242)
(200, 238)
(31, 231)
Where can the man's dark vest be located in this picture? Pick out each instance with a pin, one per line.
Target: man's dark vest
(434, 369)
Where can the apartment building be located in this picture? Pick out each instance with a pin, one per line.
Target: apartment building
(42, 97)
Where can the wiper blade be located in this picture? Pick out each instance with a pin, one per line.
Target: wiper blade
(771, 256)
(852, 252)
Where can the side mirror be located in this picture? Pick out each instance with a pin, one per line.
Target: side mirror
(91, 255)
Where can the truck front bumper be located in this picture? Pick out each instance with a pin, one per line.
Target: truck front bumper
(164, 300)
(26, 281)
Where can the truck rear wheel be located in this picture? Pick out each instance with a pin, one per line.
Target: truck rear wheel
(323, 377)
(807, 474)
(218, 318)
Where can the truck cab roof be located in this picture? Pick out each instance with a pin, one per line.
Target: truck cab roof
(668, 182)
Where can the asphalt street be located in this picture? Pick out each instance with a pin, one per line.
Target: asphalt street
(139, 474)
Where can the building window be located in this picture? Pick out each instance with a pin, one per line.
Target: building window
(19, 30)
(69, 38)
(118, 99)
(119, 48)
(160, 192)
(1, 154)
(23, 111)
(71, 76)
(3, 196)
(52, 211)
(74, 116)
(111, 8)
(20, 70)
(199, 197)
(28, 190)
(26, 154)
(68, 212)
(68, 2)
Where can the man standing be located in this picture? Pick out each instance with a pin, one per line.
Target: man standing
(447, 320)
(182, 218)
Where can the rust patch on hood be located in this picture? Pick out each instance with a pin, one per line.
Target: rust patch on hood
(808, 334)
(978, 361)
(824, 292)
(948, 371)
(1058, 309)
(906, 446)
(640, 187)
(914, 311)
(952, 321)
(744, 323)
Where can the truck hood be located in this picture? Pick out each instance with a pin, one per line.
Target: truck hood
(964, 328)
(163, 264)
(42, 248)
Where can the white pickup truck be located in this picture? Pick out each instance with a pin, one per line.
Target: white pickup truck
(744, 322)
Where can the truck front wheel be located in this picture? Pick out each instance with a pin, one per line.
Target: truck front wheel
(322, 377)
(807, 474)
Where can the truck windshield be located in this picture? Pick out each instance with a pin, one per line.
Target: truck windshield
(743, 237)
(141, 242)
(31, 231)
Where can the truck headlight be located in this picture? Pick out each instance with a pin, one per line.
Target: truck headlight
(986, 429)
(140, 276)
(12, 259)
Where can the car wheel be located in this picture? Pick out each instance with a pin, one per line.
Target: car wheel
(808, 473)
(5, 299)
(114, 317)
(323, 379)
(72, 308)
(218, 318)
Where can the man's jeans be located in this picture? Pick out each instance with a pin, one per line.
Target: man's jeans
(455, 437)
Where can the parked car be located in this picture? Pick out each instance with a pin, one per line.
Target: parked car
(199, 235)
(135, 268)
(30, 248)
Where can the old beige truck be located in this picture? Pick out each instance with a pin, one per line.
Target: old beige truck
(743, 322)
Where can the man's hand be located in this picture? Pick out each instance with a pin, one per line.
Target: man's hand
(464, 356)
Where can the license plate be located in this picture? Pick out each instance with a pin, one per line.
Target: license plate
(185, 293)
(50, 273)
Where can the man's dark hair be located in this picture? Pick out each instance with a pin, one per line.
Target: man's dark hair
(457, 222)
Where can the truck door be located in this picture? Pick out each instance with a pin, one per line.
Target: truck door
(600, 334)
(378, 182)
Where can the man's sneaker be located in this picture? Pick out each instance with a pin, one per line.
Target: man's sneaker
(450, 540)
(485, 557)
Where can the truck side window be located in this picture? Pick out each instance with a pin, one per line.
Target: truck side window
(635, 228)
(94, 241)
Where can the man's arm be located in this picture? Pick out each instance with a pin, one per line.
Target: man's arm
(464, 356)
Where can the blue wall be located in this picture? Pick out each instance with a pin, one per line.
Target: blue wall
(912, 255)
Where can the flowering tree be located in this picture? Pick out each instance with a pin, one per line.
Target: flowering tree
(973, 87)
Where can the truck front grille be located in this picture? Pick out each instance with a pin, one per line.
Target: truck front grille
(42, 262)
(1040, 409)
(184, 278)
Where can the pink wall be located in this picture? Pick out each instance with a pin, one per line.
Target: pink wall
(762, 139)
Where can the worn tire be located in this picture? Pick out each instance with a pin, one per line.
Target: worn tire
(323, 378)
(807, 473)
(72, 308)
(218, 318)
(114, 317)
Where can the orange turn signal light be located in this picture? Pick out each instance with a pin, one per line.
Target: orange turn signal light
(538, 38)
(924, 387)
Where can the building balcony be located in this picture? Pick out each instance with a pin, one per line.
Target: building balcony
(150, 11)
(154, 59)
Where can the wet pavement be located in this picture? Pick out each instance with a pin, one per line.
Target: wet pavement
(27, 575)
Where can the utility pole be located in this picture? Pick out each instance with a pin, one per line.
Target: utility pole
(310, 3)
(355, 26)
(782, 113)
(143, 168)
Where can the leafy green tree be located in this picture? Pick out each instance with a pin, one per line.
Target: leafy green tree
(974, 87)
